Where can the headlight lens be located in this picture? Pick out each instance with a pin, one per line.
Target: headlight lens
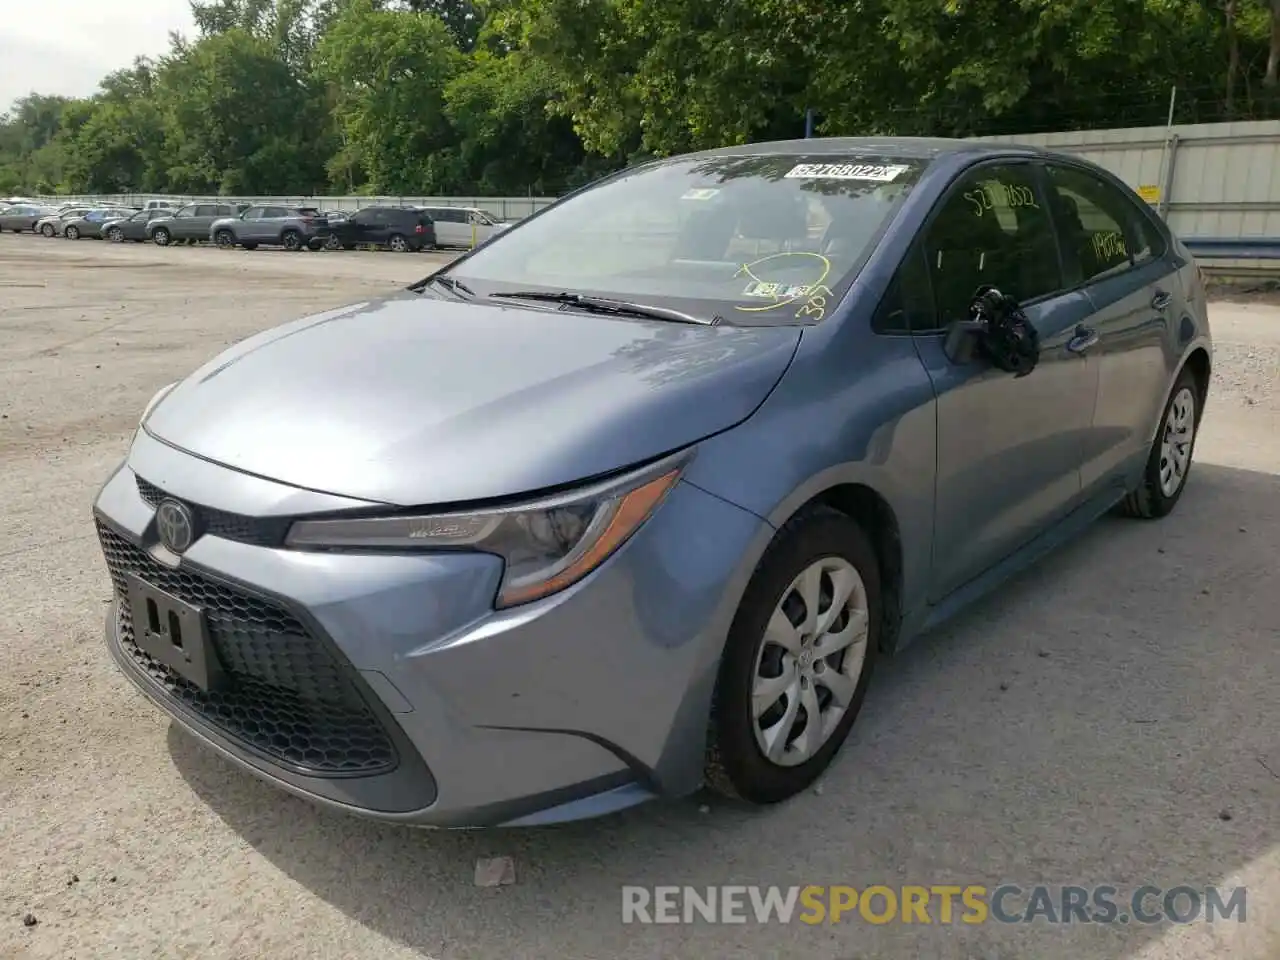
(548, 545)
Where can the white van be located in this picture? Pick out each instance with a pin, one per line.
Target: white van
(461, 226)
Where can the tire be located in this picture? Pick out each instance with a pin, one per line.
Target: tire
(333, 243)
(291, 240)
(249, 246)
(225, 239)
(348, 246)
(737, 765)
(161, 237)
(71, 233)
(1169, 463)
(397, 243)
(115, 235)
(46, 230)
(315, 244)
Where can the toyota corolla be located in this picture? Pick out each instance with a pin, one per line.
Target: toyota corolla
(630, 499)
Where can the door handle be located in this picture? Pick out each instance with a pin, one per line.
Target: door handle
(1083, 340)
(1161, 300)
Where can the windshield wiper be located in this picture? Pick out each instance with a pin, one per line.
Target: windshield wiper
(454, 286)
(607, 305)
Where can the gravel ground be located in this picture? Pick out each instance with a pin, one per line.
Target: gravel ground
(1108, 719)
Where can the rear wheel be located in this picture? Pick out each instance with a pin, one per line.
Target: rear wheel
(398, 243)
(797, 661)
(1169, 463)
(225, 239)
(291, 240)
(161, 237)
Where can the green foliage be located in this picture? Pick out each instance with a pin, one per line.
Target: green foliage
(509, 96)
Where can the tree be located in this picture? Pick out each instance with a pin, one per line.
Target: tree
(238, 119)
(390, 69)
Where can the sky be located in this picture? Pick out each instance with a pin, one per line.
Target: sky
(67, 46)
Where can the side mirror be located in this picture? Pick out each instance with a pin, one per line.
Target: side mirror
(964, 340)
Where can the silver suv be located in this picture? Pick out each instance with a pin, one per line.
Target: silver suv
(294, 228)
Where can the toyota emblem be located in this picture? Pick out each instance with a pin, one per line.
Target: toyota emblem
(176, 525)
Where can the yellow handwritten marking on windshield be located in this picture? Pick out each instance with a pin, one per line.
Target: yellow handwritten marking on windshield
(794, 290)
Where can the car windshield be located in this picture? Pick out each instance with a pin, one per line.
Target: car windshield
(764, 239)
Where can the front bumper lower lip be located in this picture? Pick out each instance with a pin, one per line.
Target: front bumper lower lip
(606, 795)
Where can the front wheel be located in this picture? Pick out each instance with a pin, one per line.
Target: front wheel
(1165, 475)
(161, 237)
(797, 661)
(225, 239)
(398, 244)
(71, 233)
(115, 235)
(46, 230)
(333, 243)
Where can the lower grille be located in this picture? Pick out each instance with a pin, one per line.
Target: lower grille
(288, 697)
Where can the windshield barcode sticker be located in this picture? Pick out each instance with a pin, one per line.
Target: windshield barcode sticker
(880, 173)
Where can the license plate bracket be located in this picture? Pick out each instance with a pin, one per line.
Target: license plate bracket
(175, 633)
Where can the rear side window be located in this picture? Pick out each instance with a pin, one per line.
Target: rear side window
(1100, 227)
(276, 213)
(992, 229)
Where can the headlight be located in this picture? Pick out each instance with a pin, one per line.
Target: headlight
(547, 544)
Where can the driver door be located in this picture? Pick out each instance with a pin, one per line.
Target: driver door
(1009, 450)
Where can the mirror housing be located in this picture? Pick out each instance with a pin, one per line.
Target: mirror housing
(964, 340)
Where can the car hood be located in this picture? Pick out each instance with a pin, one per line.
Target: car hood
(414, 400)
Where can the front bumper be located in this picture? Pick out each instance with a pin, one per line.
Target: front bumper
(386, 685)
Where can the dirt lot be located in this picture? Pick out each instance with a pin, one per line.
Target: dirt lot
(1108, 719)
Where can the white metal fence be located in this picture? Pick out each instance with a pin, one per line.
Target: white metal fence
(1217, 180)
(1207, 179)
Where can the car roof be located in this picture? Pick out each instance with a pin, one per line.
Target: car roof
(908, 148)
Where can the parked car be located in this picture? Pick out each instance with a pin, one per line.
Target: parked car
(398, 228)
(632, 497)
(90, 225)
(51, 226)
(190, 224)
(294, 228)
(463, 226)
(22, 217)
(134, 226)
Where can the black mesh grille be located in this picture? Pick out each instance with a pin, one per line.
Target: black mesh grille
(288, 697)
(259, 531)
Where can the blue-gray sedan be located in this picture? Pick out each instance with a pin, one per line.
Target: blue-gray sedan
(629, 499)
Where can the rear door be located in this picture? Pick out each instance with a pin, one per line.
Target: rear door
(452, 229)
(1119, 258)
(1008, 449)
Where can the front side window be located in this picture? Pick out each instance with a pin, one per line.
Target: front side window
(253, 213)
(189, 211)
(992, 230)
(1097, 224)
(206, 210)
(754, 239)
